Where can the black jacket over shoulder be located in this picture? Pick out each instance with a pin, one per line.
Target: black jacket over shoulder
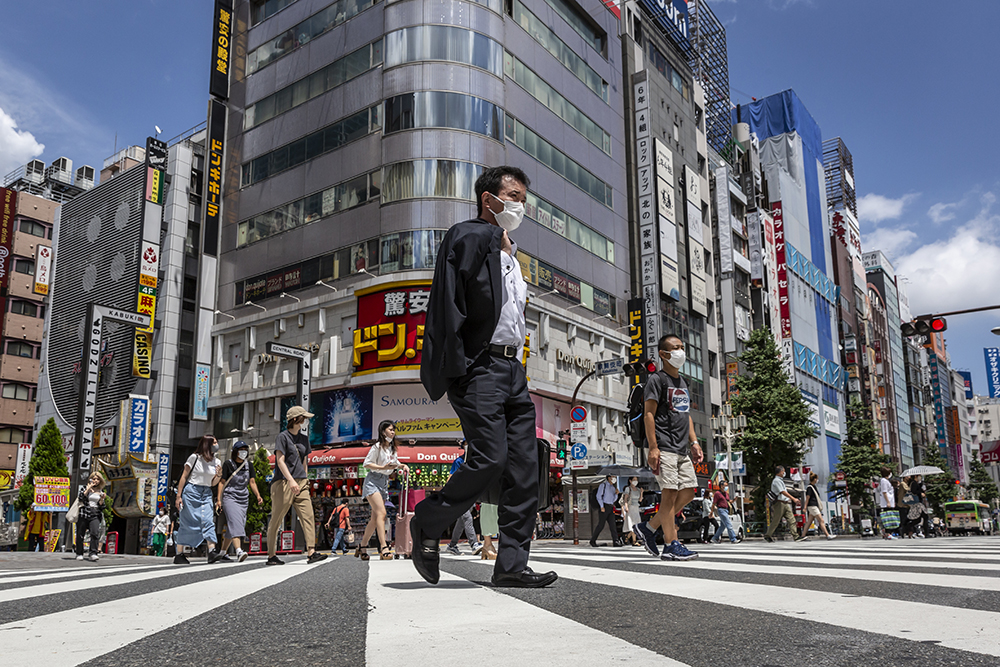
(464, 305)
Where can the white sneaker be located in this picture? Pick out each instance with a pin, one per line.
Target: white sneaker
(831, 536)
(94, 558)
(241, 555)
(79, 557)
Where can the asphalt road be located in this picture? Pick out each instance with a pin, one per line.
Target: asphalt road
(846, 602)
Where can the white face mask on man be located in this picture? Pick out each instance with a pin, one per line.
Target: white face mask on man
(510, 217)
(676, 358)
(241, 455)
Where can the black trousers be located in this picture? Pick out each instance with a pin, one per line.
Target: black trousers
(607, 515)
(94, 524)
(498, 420)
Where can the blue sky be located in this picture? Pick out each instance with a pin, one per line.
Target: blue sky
(910, 86)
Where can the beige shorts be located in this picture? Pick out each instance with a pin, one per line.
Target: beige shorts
(814, 511)
(676, 472)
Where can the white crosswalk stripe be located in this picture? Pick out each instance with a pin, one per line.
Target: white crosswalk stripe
(933, 596)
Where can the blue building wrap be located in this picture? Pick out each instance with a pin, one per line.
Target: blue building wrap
(833, 452)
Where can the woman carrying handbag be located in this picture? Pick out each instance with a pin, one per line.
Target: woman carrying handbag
(91, 511)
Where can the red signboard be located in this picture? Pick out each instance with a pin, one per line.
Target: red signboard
(779, 250)
(8, 209)
(390, 328)
(989, 452)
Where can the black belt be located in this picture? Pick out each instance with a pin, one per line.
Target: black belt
(509, 351)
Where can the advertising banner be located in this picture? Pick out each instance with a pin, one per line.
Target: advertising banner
(222, 47)
(692, 186)
(755, 244)
(6, 479)
(989, 452)
(725, 213)
(390, 327)
(672, 16)
(213, 178)
(699, 297)
(831, 420)
(670, 279)
(696, 230)
(52, 539)
(812, 402)
(21, 467)
(149, 264)
(163, 479)
(414, 412)
(992, 355)
(967, 381)
(651, 188)
(8, 209)
(202, 374)
(43, 269)
(779, 251)
(668, 239)
(138, 433)
(665, 197)
(51, 494)
(342, 415)
(636, 326)
(732, 372)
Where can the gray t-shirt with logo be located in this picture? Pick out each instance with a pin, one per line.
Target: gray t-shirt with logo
(295, 448)
(673, 408)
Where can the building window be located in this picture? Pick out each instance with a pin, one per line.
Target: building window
(261, 10)
(330, 138)
(581, 23)
(25, 266)
(333, 75)
(554, 218)
(24, 308)
(527, 140)
(446, 43)
(447, 179)
(449, 110)
(560, 106)
(34, 228)
(9, 435)
(548, 40)
(18, 392)
(235, 356)
(672, 76)
(19, 349)
(308, 30)
(226, 419)
(348, 194)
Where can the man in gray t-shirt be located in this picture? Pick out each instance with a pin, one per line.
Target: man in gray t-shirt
(781, 506)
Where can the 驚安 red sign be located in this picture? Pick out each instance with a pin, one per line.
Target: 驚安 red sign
(390, 330)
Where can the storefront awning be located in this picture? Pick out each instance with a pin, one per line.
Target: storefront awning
(355, 456)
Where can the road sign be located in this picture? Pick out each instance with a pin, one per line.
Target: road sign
(578, 464)
(598, 458)
(610, 366)
(840, 476)
(579, 451)
(578, 414)
(578, 430)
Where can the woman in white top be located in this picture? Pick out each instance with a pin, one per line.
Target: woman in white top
(91, 511)
(196, 523)
(630, 500)
(380, 463)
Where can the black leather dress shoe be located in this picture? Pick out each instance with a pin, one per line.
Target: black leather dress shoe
(425, 554)
(524, 579)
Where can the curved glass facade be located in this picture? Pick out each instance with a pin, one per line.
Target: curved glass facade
(441, 109)
(314, 26)
(448, 179)
(440, 42)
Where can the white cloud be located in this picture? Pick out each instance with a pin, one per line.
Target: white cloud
(941, 212)
(890, 241)
(876, 208)
(16, 146)
(962, 271)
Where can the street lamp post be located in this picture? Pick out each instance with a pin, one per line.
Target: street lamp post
(728, 426)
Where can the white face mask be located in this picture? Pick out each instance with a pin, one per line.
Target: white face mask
(677, 358)
(241, 455)
(634, 483)
(510, 217)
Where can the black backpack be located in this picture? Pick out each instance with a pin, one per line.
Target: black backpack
(636, 407)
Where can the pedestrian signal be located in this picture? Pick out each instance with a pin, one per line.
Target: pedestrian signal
(561, 450)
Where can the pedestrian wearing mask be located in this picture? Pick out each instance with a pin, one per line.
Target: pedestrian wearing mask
(813, 509)
(381, 462)
(196, 522)
(290, 485)
(91, 512)
(781, 505)
(708, 521)
(160, 528)
(607, 494)
(234, 498)
(341, 516)
(918, 508)
(722, 503)
(630, 500)
(887, 505)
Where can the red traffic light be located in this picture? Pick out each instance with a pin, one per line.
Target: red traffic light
(650, 366)
(938, 324)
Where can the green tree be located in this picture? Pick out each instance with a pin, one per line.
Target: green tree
(981, 482)
(860, 457)
(940, 487)
(48, 459)
(257, 515)
(778, 419)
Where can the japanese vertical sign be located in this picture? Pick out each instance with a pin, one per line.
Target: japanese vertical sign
(992, 355)
(221, 49)
(636, 322)
(202, 374)
(21, 469)
(162, 479)
(213, 177)
(43, 269)
(8, 209)
(390, 330)
(666, 212)
(650, 265)
(784, 306)
(156, 165)
(138, 424)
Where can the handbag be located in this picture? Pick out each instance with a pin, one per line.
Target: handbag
(889, 519)
(349, 538)
(74, 511)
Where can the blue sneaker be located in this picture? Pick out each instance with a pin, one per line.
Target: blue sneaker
(678, 551)
(648, 538)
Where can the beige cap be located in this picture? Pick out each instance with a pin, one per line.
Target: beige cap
(297, 411)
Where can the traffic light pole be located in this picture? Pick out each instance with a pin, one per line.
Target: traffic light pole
(576, 508)
(961, 312)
